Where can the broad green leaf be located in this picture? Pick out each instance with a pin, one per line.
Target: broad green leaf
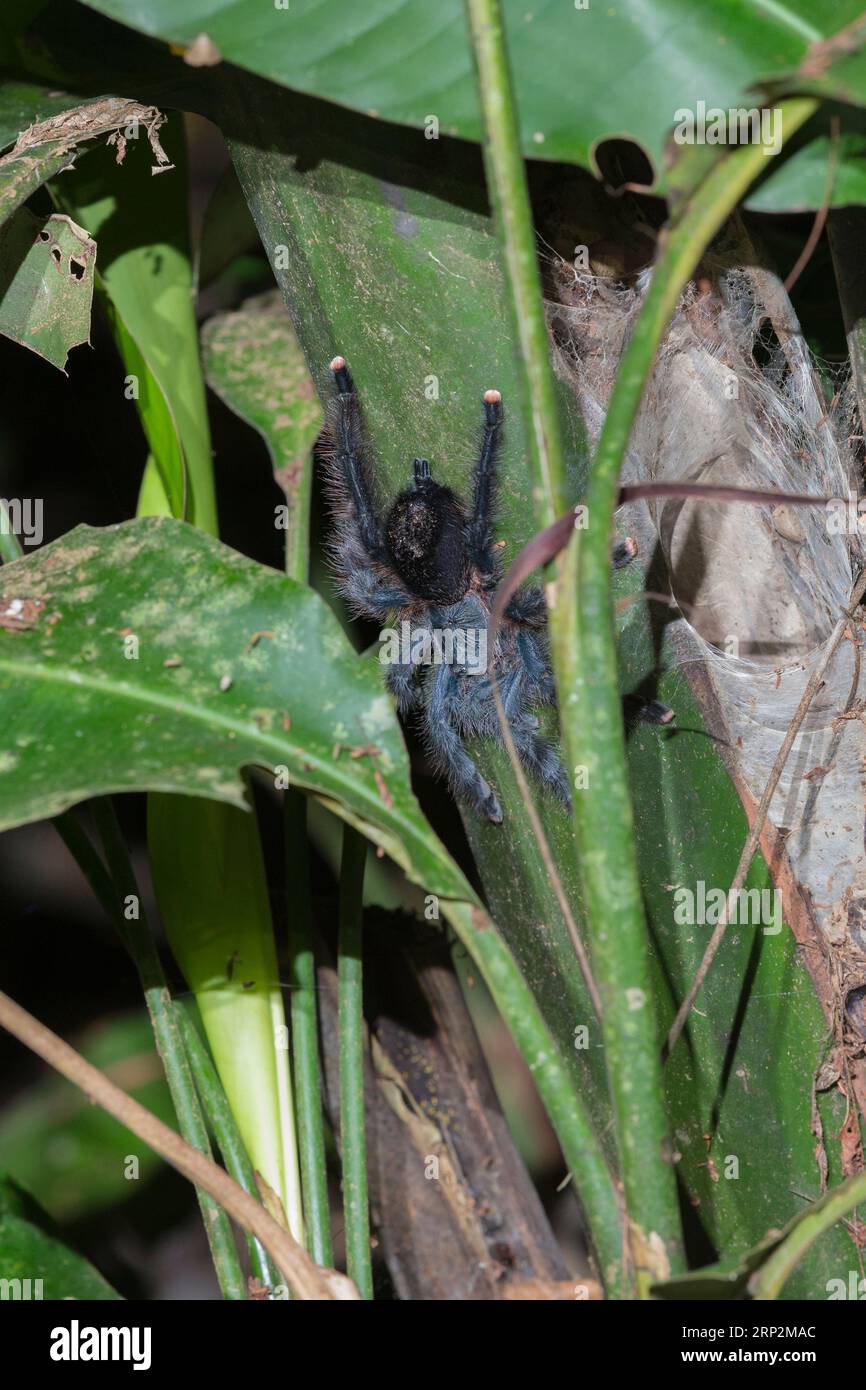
(744, 1074)
(72, 1155)
(253, 361)
(235, 664)
(46, 284)
(35, 1265)
(582, 73)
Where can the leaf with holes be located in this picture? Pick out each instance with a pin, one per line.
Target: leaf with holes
(46, 284)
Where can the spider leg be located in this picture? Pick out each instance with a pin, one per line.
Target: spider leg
(654, 712)
(343, 453)
(622, 553)
(541, 757)
(480, 530)
(401, 683)
(528, 606)
(372, 594)
(447, 750)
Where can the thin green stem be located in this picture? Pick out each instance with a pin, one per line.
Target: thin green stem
(832, 1207)
(135, 933)
(226, 1132)
(302, 959)
(305, 1040)
(593, 733)
(506, 178)
(506, 182)
(351, 1023)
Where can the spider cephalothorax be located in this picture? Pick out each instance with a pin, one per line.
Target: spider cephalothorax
(432, 568)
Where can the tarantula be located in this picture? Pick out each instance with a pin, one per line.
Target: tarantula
(434, 566)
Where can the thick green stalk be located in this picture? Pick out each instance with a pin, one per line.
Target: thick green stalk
(136, 935)
(226, 1133)
(832, 1207)
(305, 1038)
(353, 1145)
(510, 197)
(593, 731)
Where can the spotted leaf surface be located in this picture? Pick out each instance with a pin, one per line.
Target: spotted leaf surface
(162, 660)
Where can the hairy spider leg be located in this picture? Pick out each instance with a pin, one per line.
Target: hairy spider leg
(400, 680)
(447, 750)
(347, 439)
(528, 606)
(373, 595)
(537, 666)
(623, 552)
(480, 530)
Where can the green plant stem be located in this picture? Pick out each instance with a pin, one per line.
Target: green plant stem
(593, 728)
(767, 1282)
(226, 1132)
(305, 1040)
(302, 958)
(80, 847)
(136, 936)
(506, 182)
(506, 178)
(353, 1144)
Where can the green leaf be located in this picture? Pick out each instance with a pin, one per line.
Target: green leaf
(34, 1265)
(581, 75)
(253, 361)
(71, 1154)
(236, 664)
(46, 284)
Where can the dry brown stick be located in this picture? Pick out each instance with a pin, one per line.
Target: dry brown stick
(754, 835)
(306, 1278)
(814, 237)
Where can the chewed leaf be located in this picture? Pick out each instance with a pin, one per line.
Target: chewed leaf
(46, 284)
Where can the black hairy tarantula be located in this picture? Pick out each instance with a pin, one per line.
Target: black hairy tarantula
(433, 566)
